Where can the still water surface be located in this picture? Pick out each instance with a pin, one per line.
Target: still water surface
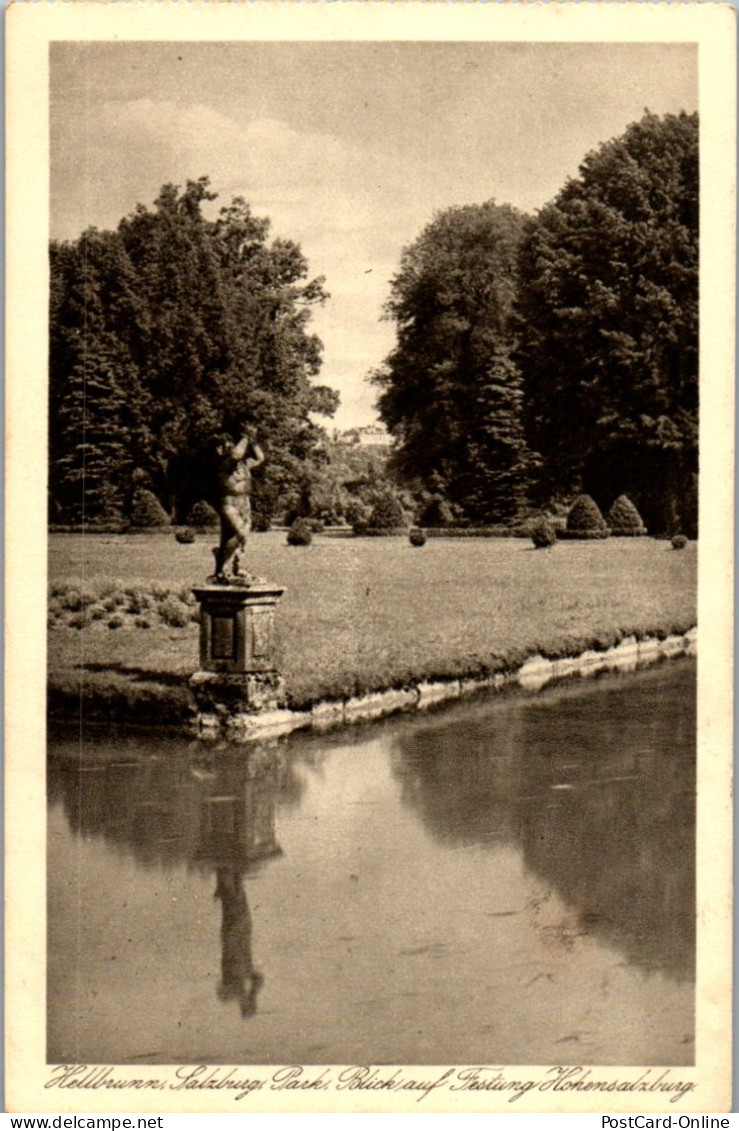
(505, 881)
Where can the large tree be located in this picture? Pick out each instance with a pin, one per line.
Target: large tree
(163, 333)
(449, 391)
(608, 304)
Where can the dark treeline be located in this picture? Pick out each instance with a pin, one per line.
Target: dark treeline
(540, 356)
(166, 332)
(535, 357)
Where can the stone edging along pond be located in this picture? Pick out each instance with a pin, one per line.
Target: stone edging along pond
(537, 671)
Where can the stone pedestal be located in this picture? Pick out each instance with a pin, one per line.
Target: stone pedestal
(238, 676)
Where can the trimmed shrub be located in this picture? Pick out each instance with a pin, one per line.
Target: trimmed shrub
(357, 515)
(147, 511)
(261, 523)
(417, 537)
(476, 532)
(543, 533)
(624, 519)
(76, 597)
(88, 528)
(174, 612)
(387, 514)
(115, 621)
(81, 619)
(142, 622)
(679, 542)
(300, 533)
(378, 532)
(436, 513)
(585, 520)
(138, 600)
(109, 586)
(185, 537)
(202, 516)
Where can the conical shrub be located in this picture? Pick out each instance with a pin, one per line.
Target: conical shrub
(585, 520)
(437, 512)
(147, 511)
(202, 516)
(624, 519)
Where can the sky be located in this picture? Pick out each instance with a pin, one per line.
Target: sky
(349, 148)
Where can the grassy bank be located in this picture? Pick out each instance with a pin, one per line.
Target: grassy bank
(363, 615)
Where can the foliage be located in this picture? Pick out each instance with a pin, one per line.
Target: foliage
(608, 308)
(357, 513)
(143, 604)
(436, 512)
(185, 537)
(585, 520)
(679, 541)
(202, 515)
(416, 537)
(624, 519)
(165, 332)
(449, 390)
(174, 612)
(300, 533)
(146, 510)
(260, 523)
(543, 533)
(515, 531)
(339, 476)
(387, 513)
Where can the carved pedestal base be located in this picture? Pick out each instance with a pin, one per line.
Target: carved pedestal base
(230, 701)
(238, 680)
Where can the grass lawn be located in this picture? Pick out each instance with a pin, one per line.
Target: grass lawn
(365, 614)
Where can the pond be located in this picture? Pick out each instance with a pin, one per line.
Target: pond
(505, 881)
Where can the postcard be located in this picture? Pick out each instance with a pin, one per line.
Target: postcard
(369, 532)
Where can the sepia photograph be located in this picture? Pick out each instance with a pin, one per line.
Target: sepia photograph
(372, 711)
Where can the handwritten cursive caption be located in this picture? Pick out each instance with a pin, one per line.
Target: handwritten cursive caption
(241, 1084)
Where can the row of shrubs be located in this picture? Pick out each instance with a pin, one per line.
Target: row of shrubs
(584, 521)
(112, 604)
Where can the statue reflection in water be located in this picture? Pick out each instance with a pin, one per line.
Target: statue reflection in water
(237, 832)
(213, 808)
(239, 979)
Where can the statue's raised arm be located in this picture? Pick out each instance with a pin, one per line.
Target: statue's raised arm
(235, 462)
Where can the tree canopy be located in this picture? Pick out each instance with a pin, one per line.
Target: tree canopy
(449, 390)
(608, 310)
(540, 357)
(167, 331)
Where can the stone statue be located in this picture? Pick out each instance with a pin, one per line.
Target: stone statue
(235, 463)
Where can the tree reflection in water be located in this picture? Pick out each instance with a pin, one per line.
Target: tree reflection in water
(212, 808)
(583, 782)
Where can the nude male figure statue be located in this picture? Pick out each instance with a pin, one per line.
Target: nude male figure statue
(236, 461)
